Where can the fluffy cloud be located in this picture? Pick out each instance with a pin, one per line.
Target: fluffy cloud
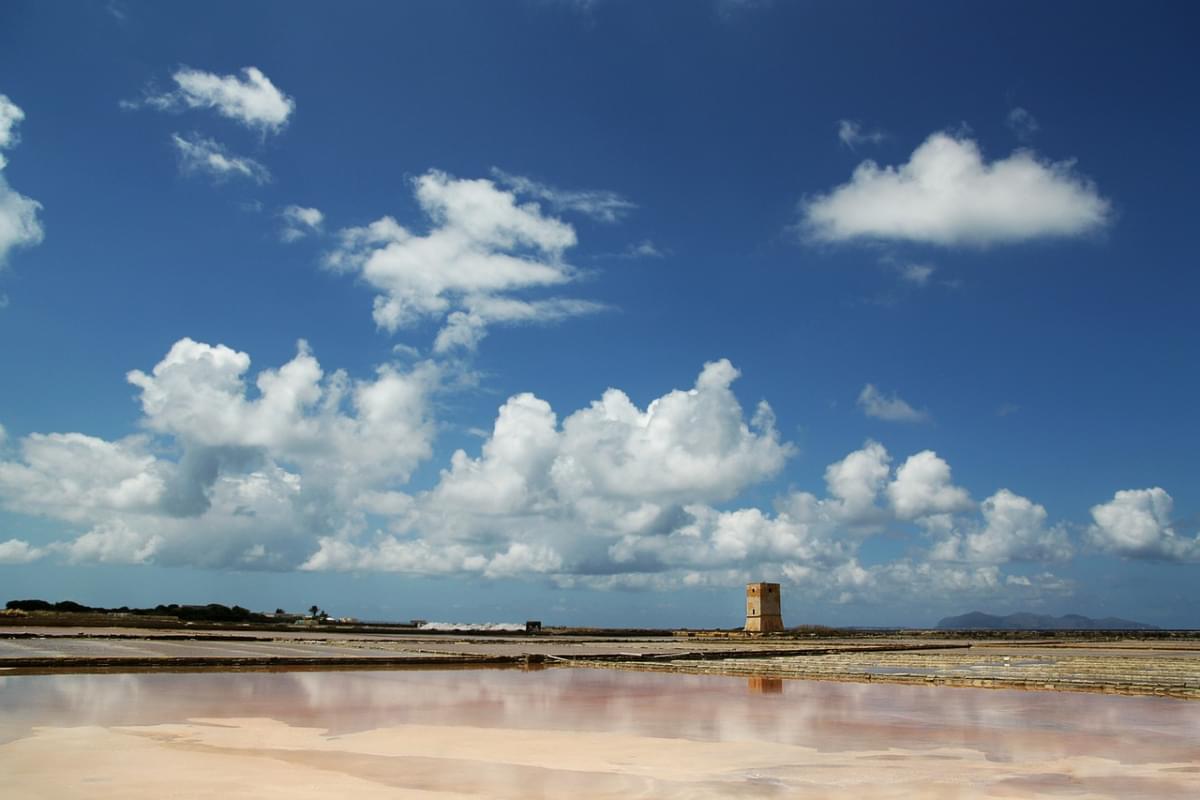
(10, 117)
(483, 246)
(19, 551)
(685, 445)
(19, 224)
(1014, 529)
(584, 494)
(614, 463)
(875, 403)
(255, 517)
(299, 221)
(226, 477)
(854, 484)
(948, 195)
(734, 544)
(1136, 523)
(251, 99)
(603, 205)
(112, 542)
(298, 469)
(197, 394)
(198, 154)
(616, 497)
(425, 558)
(77, 477)
(514, 465)
(923, 489)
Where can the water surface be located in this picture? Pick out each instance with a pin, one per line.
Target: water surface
(512, 733)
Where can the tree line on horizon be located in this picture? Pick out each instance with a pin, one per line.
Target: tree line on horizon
(211, 612)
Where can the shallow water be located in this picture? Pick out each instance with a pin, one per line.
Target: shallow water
(594, 733)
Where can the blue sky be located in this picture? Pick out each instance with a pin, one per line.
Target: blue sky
(593, 311)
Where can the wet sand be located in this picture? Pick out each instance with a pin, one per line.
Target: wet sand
(591, 733)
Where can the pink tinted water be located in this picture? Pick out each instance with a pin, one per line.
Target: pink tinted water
(823, 715)
(1009, 727)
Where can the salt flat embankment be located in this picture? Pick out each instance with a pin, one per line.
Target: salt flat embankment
(1114, 664)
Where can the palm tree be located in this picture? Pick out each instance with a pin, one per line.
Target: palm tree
(312, 611)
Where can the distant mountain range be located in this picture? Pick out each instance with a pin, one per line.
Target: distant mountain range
(1025, 621)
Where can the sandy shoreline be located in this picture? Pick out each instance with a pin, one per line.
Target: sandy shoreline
(234, 757)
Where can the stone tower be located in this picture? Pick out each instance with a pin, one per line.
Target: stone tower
(762, 608)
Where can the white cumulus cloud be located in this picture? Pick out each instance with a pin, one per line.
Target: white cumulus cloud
(344, 432)
(19, 224)
(855, 482)
(615, 497)
(684, 445)
(566, 492)
(483, 246)
(74, 476)
(947, 194)
(19, 551)
(11, 116)
(615, 461)
(1136, 523)
(225, 476)
(112, 542)
(295, 468)
(251, 99)
(923, 488)
(1014, 529)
